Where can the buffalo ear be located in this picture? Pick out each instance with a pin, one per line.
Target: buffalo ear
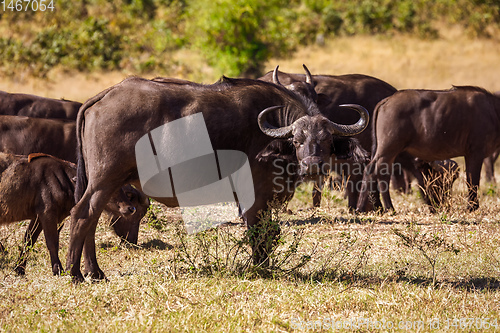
(277, 149)
(143, 199)
(349, 148)
(323, 101)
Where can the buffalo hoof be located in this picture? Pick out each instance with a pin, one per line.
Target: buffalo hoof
(76, 277)
(20, 270)
(97, 276)
(57, 269)
(390, 211)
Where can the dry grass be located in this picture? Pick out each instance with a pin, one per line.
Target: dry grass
(358, 269)
(406, 63)
(358, 266)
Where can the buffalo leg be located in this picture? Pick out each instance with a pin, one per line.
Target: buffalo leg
(351, 192)
(84, 218)
(91, 267)
(32, 232)
(424, 186)
(316, 193)
(49, 226)
(376, 177)
(351, 180)
(383, 175)
(489, 168)
(401, 181)
(473, 172)
(354, 187)
(367, 184)
(262, 234)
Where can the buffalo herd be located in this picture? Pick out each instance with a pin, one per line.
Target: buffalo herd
(60, 158)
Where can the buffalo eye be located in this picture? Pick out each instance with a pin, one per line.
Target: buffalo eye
(297, 143)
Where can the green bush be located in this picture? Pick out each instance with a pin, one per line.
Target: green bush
(91, 46)
(231, 33)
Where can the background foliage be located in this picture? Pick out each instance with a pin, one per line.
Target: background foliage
(234, 37)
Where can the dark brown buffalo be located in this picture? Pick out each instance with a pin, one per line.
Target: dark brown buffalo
(56, 137)
(433, 125)
(240, 114)
(489, 162)
(127, 226)
(25, 135)
(37, 107)
(330, 91)
(40, 188)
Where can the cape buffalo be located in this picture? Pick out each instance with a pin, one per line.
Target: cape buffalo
(489, 162)
(330, 91)
(40, 188)
(56, 137)
(433, 125)
(25, 135)
(240, 114)
(37, 107)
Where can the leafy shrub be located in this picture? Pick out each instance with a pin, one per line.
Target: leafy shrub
(91, 46)
(231, 33)
(430, 244)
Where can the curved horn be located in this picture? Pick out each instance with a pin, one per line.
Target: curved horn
(309, 78)
(275, 76)
(350, 130)
(270, 130)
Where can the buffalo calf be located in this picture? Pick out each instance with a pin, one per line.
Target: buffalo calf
(40, 188)
(56, 137)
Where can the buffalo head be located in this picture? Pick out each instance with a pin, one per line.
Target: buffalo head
(120, 203)
(127, 226)
(313, 136)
